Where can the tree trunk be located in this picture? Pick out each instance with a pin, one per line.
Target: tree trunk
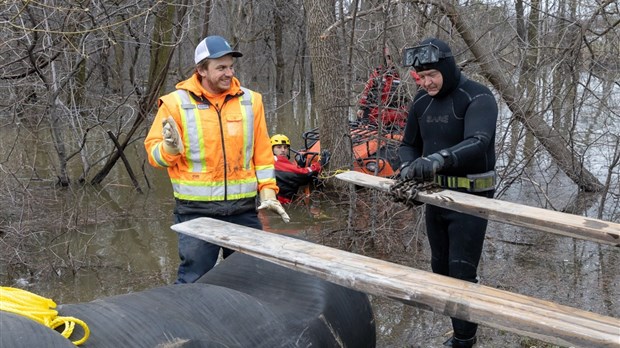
(207, 15)
(54, 87)
(529, 73)
(329, 98)
(59, 143)
(280, 64)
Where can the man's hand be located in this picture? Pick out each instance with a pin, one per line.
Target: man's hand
(172, 137)
(269, 201)
(424, 168)
(406, 171)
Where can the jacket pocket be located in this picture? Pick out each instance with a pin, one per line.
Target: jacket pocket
(234, 124)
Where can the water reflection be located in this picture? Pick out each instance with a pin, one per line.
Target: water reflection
(128, 246)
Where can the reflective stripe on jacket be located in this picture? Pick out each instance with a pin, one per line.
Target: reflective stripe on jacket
(227, 154)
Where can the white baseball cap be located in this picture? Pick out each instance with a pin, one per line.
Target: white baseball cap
(214, 47)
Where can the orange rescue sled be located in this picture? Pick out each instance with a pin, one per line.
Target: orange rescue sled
(375, 152)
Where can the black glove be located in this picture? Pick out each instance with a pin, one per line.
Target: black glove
(406, 171)
(325, 156)
(424, 168)
(300, 160)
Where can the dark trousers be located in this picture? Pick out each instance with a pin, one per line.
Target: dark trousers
(198, 256)
(456, 241)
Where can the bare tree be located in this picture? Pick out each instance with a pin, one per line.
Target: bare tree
(165, 34)
(327, 66)
(551, 138)
(65, 51)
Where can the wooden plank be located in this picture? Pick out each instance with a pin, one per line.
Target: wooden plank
(569, 225)
(503, 310)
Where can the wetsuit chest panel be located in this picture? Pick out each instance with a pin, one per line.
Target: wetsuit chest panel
(441, 125)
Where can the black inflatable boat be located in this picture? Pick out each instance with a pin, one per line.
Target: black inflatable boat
(242, 302)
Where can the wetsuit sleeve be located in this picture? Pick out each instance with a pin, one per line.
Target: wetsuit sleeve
(479, 131)
(411, 146)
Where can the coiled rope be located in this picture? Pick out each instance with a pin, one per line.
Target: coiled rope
(41, 310)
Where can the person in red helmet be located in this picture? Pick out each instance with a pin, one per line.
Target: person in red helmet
(382, 97)
(290, 176)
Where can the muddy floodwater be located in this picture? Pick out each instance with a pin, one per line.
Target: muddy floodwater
(122, 243)
(82, 243)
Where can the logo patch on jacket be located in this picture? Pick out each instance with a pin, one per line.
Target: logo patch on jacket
(437, 118)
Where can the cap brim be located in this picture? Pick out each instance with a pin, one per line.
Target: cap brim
(235, 54)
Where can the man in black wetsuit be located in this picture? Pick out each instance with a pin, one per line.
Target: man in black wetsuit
(450, 139)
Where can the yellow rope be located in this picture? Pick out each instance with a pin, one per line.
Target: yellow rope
(39, 309)
(332, 174)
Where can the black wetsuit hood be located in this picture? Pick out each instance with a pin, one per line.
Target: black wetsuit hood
(447, 67)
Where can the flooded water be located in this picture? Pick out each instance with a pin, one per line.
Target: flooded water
(111, 240)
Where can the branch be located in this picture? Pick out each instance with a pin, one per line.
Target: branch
(359, 14)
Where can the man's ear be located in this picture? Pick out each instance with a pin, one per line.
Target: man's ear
(201, 71)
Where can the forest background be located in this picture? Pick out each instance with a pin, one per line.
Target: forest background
(80, 82)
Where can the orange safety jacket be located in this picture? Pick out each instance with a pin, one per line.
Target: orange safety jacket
(227, 154)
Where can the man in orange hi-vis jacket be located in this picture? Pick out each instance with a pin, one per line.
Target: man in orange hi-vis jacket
(211, 136)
